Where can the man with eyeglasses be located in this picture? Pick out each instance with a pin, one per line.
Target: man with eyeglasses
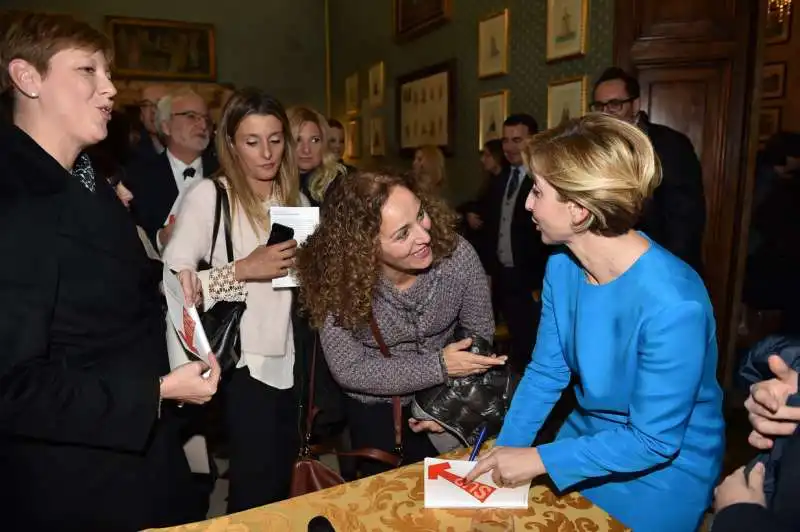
(150, 142)
(158, 183)
(676, 215)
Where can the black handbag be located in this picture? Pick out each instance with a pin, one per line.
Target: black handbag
(466, 404)
(221, 322)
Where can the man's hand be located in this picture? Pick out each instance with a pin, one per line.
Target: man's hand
(737, 489)
(767, 408)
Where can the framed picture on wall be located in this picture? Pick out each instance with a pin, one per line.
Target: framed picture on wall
(162, 49)
(352, 147)
(773, 80)
(769, 122)
(425, 108)
(492, 111)
(376, 85)
(351, 94)
(413, 18)
(566, 99)
(779, 27)
(377, 137)
(493, 45)
(567, 28)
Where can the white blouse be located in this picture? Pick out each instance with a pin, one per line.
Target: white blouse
(266, 329)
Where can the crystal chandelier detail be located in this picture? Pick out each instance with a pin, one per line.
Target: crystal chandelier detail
(779, 10)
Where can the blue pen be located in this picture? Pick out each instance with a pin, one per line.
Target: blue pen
(478, 443)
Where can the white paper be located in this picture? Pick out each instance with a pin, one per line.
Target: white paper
(186, 320)
(304, 221)
(445, 487)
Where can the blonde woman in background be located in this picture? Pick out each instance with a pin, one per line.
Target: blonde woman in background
(428, 167)
(319, 166)
(258, 170)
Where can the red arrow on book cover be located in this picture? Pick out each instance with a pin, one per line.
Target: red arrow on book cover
(476, 489)
(188, 332)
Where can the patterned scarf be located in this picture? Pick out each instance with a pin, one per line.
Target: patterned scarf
(84, 172)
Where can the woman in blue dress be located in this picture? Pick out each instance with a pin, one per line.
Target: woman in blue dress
(632, 324)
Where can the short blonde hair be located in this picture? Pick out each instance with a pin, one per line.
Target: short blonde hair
(603, 164)
(37, 37)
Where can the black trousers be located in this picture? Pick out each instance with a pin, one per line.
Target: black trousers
(372, 425)
(263, 440)
(521, 313)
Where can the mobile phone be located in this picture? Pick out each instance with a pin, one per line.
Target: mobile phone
(280, 233)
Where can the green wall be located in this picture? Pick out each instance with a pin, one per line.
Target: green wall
(278, 45)
(361, 35)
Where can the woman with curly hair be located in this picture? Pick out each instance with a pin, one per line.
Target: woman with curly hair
(386, 250)
(319, 166)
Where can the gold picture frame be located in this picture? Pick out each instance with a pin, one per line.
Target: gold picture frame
(413, 18)
(376, 85)
(492, 112)
(351, 105)
(567, 29)
(353, 139)
(493, 45)
(773, 80)
(377, 137)
(162, 49)
(566, 99)
(769, 122)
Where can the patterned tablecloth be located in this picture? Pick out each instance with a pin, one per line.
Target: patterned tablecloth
(394, 501)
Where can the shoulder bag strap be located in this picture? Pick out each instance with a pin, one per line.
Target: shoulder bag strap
(397, 412)
(393, 459)
(222, 199)
(217, 211)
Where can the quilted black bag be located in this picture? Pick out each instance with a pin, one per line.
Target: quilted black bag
(465, 404)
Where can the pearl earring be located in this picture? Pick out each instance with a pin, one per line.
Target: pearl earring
(34, 95)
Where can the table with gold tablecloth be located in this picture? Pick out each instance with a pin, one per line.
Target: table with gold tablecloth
(395, 501)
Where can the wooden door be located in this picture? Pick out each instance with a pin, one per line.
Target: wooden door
(696, 62)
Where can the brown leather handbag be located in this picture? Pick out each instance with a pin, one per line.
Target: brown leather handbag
(309, 474)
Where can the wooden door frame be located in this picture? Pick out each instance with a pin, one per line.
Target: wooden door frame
(740, 146)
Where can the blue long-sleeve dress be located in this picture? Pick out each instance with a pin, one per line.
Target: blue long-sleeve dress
(646, 440)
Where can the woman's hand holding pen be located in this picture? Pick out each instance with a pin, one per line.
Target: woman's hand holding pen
(461, 363)
(510, 466)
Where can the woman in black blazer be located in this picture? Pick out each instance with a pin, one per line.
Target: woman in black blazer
(87, 441)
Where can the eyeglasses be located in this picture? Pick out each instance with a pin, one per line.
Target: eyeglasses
(194, 117)
(613, 106)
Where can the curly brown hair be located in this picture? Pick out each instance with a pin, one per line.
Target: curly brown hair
(339, 265)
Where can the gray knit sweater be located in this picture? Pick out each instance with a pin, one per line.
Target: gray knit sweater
(416, 324)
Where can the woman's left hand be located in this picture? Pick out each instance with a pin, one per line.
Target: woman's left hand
(192, 288)
(425, 426)
(737, 489)
(510, 466)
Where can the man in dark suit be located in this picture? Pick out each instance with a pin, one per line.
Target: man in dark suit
(158, 183)
(676, 215)
(150, 142)
(516, 263)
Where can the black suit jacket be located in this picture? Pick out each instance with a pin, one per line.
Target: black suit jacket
(676, 215)
(530, 254)
(154, 191)
(81, 444)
